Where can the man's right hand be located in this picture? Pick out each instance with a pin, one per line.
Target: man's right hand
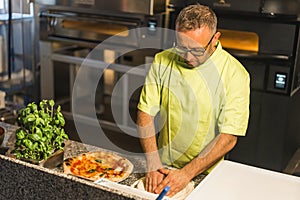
(147, 134)
(153, 179)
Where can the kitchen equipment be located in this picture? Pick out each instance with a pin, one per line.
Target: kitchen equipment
(70, 30)
(90, 22)
(17, 56)
(264, 37)
(146, 7)
(84, 24)
(282, 8)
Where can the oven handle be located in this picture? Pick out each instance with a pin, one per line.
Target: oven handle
(114, 21)
(45, 14)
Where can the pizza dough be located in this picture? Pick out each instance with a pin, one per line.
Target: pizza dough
(181, 195)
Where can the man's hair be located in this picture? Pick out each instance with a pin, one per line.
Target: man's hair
(196, 16)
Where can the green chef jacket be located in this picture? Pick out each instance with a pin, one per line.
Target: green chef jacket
(195, 104)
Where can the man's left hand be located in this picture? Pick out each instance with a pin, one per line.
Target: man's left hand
(175, 179)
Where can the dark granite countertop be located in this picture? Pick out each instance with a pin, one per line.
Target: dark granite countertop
(75, 148)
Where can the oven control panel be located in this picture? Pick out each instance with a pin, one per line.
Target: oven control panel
(278, 79)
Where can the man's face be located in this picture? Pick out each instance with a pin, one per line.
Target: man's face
(195, 46)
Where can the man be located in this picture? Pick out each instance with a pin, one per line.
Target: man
(202, 96)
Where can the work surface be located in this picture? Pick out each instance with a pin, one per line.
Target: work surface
(228, 181)
(29, 181)
(235, 181)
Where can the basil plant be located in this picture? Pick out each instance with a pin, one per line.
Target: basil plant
(41, 131)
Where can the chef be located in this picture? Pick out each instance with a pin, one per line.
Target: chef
(200, 95)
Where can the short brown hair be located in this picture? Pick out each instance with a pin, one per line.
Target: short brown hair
(196, 16)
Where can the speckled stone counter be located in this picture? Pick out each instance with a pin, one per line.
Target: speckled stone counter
(23, 180)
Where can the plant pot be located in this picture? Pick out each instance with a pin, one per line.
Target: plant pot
(53, 161)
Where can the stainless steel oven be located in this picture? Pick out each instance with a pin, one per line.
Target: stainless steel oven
(265, 37)
(70, 30)
(88, 28)
(94, 21)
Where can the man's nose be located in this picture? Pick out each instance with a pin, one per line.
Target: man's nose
(188, 55)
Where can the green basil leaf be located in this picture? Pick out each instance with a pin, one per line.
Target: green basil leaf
(20, 134)
(35, 137)
(51, 103)
(28, 143)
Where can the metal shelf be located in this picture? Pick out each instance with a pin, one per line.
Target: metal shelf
(18, 53)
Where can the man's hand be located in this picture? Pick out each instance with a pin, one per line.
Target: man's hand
(146, 130)
(153, 179)
(175, 179)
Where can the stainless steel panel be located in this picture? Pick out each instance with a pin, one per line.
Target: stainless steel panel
(58, 25)
(281, 7)
(227, 5)
(133, 25)
(94, 29)
(148, 7)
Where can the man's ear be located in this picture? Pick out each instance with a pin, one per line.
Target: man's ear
(216, 37)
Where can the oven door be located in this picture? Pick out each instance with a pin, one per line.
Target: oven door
(89, 28)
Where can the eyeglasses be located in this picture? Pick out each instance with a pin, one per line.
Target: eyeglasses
(195, 52)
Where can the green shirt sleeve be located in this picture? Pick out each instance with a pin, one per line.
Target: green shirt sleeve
(150, 95)
(235, 113)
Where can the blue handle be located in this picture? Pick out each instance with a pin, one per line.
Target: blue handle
(163, 193)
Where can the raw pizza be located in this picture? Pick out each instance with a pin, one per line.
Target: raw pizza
(96, 165)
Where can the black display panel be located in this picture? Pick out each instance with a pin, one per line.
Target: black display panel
(280, 80)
